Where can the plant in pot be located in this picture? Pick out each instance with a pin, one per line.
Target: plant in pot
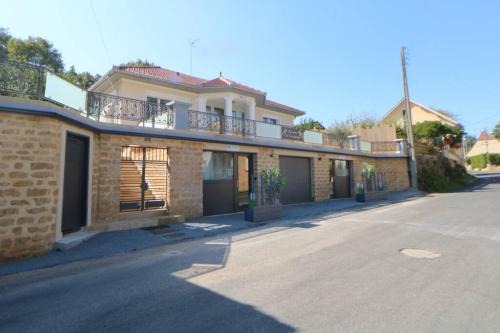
(360, 192)
(272, 184)
(367, 172)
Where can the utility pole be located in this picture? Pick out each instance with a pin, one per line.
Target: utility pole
(409, 129)
(191, 45)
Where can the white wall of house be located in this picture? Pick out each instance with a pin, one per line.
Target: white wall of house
(240, 103)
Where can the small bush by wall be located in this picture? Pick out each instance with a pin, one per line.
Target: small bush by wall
(478, 161)
(438, 174)
(481, 161)
(494, 159)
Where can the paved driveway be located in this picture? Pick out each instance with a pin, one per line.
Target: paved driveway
(342, 273)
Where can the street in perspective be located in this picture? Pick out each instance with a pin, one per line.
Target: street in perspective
(249, 167)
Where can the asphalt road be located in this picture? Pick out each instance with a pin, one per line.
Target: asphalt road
(341, 274)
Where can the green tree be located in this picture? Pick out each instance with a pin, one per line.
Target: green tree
(496, 131)
(310, 124)
(84, 79)
(35, 50)
(4, 39)
(39, 51)
(139, 62)
(436, 134)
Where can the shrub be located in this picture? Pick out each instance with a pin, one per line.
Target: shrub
(339, 132)
(478, 161)
(494, 159)
(441, 175)
(439, 134)
(274, 183)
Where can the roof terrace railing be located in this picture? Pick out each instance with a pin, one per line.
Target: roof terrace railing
(104, 107)
(21, 79)
(221, 124)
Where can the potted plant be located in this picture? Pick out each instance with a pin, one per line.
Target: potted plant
(360, 192)
(269, 207)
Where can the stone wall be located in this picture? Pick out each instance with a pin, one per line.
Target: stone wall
(184, 181)
(29, 184)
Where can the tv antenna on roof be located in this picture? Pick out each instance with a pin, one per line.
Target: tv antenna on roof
(191, 45)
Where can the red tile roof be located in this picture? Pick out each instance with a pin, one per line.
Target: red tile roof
(484, 136)
(163, 74)
(222, 82)
(180, 78)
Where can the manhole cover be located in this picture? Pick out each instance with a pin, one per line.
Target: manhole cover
(420, 254)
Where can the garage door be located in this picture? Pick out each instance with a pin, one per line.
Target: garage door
(297, 172)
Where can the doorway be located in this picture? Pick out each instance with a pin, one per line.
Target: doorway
(75, 188)
(227, 181)
(340, 178)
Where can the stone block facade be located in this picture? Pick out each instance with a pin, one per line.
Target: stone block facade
(31, 154)
(29, 184)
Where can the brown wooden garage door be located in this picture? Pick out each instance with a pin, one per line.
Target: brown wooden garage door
(297, 172)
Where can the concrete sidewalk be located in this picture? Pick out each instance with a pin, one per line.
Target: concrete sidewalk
(119, 242)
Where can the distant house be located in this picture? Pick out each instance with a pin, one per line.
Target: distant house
(419, 113)
(485, 144)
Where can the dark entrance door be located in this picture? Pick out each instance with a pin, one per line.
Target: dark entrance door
(297, 173)
(74, 213)
(226, 181)
(340, 178)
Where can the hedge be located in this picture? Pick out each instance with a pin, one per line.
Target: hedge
(478, 161)
(494, 159)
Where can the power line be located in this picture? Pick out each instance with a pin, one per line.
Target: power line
(102, 41)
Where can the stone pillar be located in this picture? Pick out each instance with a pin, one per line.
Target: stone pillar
(251, 110)
(202, 104)
(321, 186)
(228, 112)
(181, 110)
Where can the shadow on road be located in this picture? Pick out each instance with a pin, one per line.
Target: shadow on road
(146, 292)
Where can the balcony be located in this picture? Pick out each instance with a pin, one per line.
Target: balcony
(36, 82)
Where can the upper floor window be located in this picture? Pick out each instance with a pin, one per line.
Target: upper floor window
(269, 120)
(155, 100)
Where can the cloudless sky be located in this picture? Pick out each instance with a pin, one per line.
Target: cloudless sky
(328, 58)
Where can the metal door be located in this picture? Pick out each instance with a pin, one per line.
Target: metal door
(76, 158)
(340, 178)
(218, 183)
(297, 173)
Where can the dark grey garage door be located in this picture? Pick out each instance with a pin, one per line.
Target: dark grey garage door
(297, 172)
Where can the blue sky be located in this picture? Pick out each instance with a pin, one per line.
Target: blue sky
(328, 58)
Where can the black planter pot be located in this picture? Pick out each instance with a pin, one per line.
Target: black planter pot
(249, 214)
(360, 197)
